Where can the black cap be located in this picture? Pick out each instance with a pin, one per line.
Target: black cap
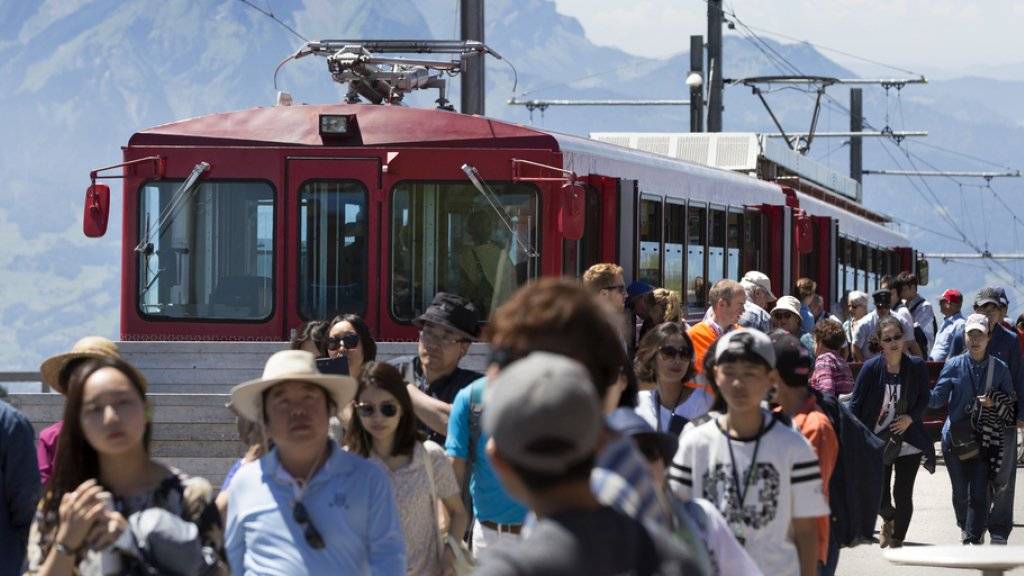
(791, 359)
(453, 312)
(882, 298)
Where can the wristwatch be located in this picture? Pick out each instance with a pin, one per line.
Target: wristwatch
(65, 551)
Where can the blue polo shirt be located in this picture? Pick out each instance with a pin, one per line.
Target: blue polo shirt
(349, 501)
(490, 501)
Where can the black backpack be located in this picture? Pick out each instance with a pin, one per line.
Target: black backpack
(919, 335)
(855, 490)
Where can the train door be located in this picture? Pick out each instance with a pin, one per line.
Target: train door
(331, 215)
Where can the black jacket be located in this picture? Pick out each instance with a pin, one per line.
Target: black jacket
(869, 392)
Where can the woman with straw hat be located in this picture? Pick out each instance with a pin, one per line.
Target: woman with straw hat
(54, 373)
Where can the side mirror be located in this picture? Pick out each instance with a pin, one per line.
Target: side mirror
(97, 210)
(570, 213)
(922, 272)
(804, 232)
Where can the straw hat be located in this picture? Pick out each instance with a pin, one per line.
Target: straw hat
(88, 347)
(285, 366)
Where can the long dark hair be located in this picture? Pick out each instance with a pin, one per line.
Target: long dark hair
(314, 331)
(357, 322)
(387, 378)
(644, 364)
(77, 461)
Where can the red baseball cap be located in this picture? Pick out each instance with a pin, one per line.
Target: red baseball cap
(952, 295)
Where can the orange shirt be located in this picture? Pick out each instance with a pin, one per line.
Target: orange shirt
(817, 428)
(702, 334)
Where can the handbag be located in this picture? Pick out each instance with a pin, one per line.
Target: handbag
(464, 564)
(893, 445)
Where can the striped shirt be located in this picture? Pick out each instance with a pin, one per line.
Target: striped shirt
(759, 505)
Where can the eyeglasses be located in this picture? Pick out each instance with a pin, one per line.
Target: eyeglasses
(671, 353)
(350, 341)
(892, 339)
(439, 337)
(387, 409)
(620, 288)
(313, 537)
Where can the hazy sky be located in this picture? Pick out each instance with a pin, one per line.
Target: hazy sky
(920, 35)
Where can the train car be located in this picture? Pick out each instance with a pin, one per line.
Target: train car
(242, 225)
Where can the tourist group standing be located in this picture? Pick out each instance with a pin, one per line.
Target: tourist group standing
(606, 436)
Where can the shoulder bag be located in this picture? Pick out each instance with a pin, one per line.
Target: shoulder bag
(464, 564)
(963, 439)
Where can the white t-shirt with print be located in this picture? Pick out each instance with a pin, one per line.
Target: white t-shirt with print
(786, 484)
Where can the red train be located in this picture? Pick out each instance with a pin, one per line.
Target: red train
(244, 224)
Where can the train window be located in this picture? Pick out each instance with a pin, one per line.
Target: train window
(675, 242)
(332, 248)
(446, 237)
(752, 241)
(697, 235)
(650, 242)
(870, 261)
(734, 229)
(209, 255)
(716, 247)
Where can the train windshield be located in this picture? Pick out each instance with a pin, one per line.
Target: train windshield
(446, 237)
(208, 254)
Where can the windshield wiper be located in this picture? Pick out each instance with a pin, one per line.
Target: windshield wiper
(492, 199)
(190, 185)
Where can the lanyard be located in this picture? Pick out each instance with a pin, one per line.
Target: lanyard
(743, 489)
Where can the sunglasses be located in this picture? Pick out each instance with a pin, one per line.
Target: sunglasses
(313, 537)
(620, 288)
(350, 341)
(893, 339)
(671, 353)
(387, 410)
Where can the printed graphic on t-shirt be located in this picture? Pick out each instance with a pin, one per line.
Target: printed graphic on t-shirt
(762, 500)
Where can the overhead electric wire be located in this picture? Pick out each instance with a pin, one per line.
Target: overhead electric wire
(271, 15)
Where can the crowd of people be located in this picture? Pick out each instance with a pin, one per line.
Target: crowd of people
(607, 436)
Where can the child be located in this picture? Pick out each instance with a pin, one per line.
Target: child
(759, 472)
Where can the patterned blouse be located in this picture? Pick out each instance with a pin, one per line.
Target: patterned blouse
(188, 497)
(831, 375)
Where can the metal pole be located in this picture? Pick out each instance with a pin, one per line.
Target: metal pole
(471, 21)
(857, 125)
(715, 104)
(697, 92)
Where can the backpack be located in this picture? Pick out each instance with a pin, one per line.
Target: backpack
(919, 335)
(855, 490)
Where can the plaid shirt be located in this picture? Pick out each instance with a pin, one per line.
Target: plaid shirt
(831, 375)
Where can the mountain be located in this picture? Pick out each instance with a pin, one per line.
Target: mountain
(80, 76)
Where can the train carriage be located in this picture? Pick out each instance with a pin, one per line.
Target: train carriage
(302, 212)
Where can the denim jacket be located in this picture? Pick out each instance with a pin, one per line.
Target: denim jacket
(961, 380)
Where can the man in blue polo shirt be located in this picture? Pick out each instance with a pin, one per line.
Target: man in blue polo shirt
(1003, 344)
(498, 516)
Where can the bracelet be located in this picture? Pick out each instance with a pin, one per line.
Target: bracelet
(65, 551)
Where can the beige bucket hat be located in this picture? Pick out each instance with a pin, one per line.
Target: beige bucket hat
(284, 366)
(87, 347)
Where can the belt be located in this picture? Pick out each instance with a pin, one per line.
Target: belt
(502, 528)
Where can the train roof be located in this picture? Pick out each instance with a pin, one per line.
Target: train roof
(377, 126)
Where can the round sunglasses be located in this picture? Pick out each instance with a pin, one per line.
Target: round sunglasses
(350, 341)
(671, 353)
(387, 409)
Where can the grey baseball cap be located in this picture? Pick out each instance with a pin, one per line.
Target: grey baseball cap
(746, 342)
(991, 295)
(543, 413)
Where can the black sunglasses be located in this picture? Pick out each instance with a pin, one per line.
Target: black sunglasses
(313, 537)
(387, 409)
(672, 352)
(350, 340)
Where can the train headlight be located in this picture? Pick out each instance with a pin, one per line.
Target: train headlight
(333, 124)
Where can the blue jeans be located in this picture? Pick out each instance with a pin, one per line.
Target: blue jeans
(1000, 520)
(970, 493)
